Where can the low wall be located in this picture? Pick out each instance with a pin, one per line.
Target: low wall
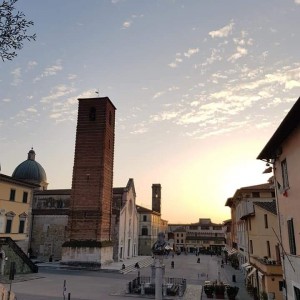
(87, 255)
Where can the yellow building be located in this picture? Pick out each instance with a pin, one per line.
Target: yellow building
(266, 272)
(15, 221)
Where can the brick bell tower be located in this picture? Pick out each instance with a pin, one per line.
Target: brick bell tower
(156, 197)
(89, 224)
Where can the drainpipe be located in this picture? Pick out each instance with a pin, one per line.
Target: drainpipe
(279, 225)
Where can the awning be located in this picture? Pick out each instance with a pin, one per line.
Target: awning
(245, 265)
(260, 274)
(232, 251)
(252, 272)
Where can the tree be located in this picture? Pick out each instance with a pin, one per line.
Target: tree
(13, 30)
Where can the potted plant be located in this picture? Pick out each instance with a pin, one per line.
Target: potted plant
(232, 292)
(209, 290)
(219, 290)
(263, 296)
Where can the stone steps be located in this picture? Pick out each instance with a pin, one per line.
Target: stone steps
(142, 263)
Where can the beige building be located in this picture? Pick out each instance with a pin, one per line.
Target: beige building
(241, 205)
(15, 222)
(150, 224)
(283, 152)
(265, 272)
(202, 236)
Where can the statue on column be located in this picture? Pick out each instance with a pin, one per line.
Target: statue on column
(160, 247)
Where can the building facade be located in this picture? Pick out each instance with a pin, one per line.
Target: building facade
(282, 152)
(150, 222)
(15, 219)
(265, 272)
(125, 222)
(203, 236)
(241, 205)
(50, 213)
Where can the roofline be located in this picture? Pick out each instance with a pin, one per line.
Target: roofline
(289, 123)
(147, 210)
(53, 192)
(7, 178)
(102, 98)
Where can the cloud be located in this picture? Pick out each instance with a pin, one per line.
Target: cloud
(297, 1)
(16, 76)
(222, 32)
(173, 88)
(240, 52)
(129, 21)
(6, 100)
(172, 65)
(55, 115)
(139, 128)
(165, 116)
(158, 94)
(290, 84)
(72, 76)
(214, 56)
(50, 71)
(191, 52)
(126, 24)
(263, 125)
(178, 59)
(57, 92)
(31, 64)
(31, 109)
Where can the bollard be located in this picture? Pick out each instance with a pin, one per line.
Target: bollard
(143, 288)
(233, 278)
(164, 290)
(180, 292)
(127, 288)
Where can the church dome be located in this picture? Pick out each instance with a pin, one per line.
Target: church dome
(30, 170)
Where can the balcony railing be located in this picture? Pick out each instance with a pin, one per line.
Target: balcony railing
(266, 265)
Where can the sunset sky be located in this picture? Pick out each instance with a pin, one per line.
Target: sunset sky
(199, 85)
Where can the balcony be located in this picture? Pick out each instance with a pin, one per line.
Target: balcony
(266, 266)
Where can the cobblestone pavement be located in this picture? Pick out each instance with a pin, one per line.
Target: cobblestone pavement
(92, 285)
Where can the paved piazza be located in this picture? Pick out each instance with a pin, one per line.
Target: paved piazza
(90, 285)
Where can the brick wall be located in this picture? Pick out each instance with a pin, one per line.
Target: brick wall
(90, 209)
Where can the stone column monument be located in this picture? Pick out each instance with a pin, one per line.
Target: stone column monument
(159, 250)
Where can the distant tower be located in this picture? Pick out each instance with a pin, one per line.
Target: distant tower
(156, 197)
(89, 239)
